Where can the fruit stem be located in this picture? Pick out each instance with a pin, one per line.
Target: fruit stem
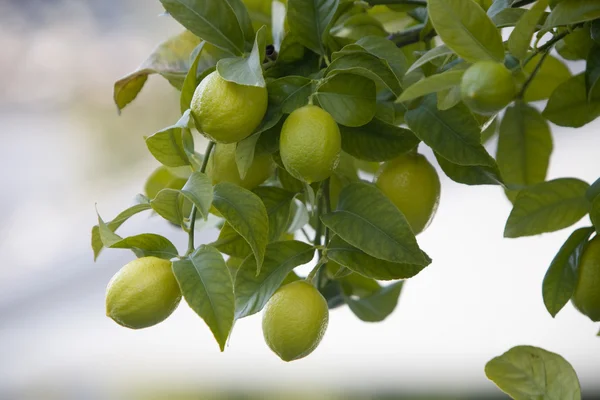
(533, 74)
(190, 249)
(549, 44)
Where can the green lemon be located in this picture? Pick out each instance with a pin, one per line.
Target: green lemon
(587, 291)
(227, 112)
(143, 293)
(222, 167)
(487, 87)
(413, 185)
(310, 144)
(295, 320)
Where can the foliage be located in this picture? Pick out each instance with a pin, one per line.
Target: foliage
(388, 90)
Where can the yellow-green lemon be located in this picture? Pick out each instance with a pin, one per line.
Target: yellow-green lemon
(222, 167)
(587, 291)
(487, 87)
(295, 320)
(413, 185)
(310, 144)
(143, 293)
(227, 112)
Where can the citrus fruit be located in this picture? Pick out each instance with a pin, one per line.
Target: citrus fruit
(227, 112)
(413, 185)
(487, 87)
(295, 320)
(310, 144)
(222, 167)
(587, 291)
(143, 293)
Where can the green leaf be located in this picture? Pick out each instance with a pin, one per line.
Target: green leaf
(432, 84)
(520, 38)
(569, 105)
(572, 12)
(198, 190)
(168, 146)
(592, 73)
(349, 98)
(246, 70)
(113, 225)
(191, 81)
(171, 59)
(298, 217)
(532, 373)
(471, 174)
(290, 92)
(499, 6)
(387, 52)
(524, 146)
(547, 207)
(169, 204)
(207, 287)
(465, 28)
(595, 30)
(360, 262)
(213, 20)
(377, 141)
(254, 291)
(507, 17)
(454, 133)
(231, 243)
(246, 213)
(448, 98)
(595, 213)
(164, 177)
(368, 220)
(364, 64)
(552, 73)
(436, 52)
(561, 277)
(377, 306)
(308, 21)
(278, 203)
(593, 191)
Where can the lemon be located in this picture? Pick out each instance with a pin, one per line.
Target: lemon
(227, 112)
(143, 293)
(295, 320)
(222, 167)
(310, 144)
(413, 185)
(487, 87)
(587, 291)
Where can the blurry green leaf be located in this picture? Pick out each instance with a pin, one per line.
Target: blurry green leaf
(277, 201)
(595, 30)
(465, 28)
(592, 74)
(169, 204)
(350, 99)
(454, 133)
(489, 131)
(576, 45)
(161, 178)
(246, 213)
(290, 92)
(520, 38)
(356, 26)
(448, 98)
(207, 287)
(573, 11)
(387, 52)
(254, 291)
(569, 105)
(547, 207)
(246, 70)
(298, 217)
(378, 306)
(432, 84)
(507, 17)
(531, 373)
(288, 182)
(377, 141)
(308, 21)
(191, 81)
(561, 277)
(436, 52)
(595, 213)
(551, 74)
(471, 174)
(360, 262)
(593, 191)
(231, 243)
(168, 146)
(368, 220)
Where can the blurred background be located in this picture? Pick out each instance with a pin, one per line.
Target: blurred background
(64, 148)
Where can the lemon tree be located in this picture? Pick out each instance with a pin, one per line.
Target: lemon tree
(326, 126)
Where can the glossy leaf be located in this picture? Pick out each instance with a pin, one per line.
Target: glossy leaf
(246, 70)
(471, 174)
(387, 52)
(432, 84)
(368, 220)
(254, 291)
(308, 21)
(561, 278)
(198, 190)
(231, 243)
(532, 373)
(498, 6)
(168, 146)
(278, 203)
(569, 105)
(454, 133)
(350, 99)
(377, 306)
(572, 12)
(436, 52)
(246, 213)
(360, 262)
(290, 92)
(465, 28)
(551, 74)
(207, 287)
(547, 207)
(520, 38)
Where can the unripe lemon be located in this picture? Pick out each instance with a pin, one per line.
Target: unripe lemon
(487, 87)
(413, 185)
(143, 293)
(587, 291)
(227, 112)
(310, 144)
(223, 168)
(295, 320)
